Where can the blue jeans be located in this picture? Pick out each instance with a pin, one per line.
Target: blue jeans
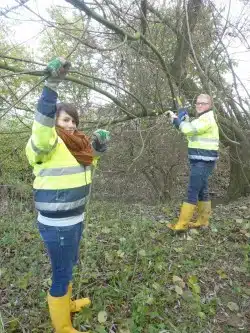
(62, 244)
(198, 180)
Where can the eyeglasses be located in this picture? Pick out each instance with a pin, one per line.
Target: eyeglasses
(202, 104)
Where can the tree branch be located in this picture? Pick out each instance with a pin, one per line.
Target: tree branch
(5, 66)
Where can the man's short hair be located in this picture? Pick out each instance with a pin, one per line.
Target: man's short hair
(210, 98)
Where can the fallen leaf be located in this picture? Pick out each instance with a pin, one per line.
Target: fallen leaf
(178, 281)
(187, 295)
(247, 226)
(102, 317)
(142, 253)
(178, 290)
(194, 232)
(156, 286)
(150, 300)
(246, 291)
(233, 306)
(176, 278)
(235, 321)
(120, 253)
(178, 249)
(123, 330)
(2, 271)
(106, 230)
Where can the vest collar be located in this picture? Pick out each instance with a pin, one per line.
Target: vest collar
(201, 114)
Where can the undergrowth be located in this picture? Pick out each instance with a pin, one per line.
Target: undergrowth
(140, 277)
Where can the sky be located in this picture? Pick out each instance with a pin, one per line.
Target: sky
(29, 30)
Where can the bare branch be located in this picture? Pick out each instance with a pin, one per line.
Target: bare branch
(3, 65)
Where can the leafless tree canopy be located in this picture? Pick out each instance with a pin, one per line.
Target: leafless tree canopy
(131, 61)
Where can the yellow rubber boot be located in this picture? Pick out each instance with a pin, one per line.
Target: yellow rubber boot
(78, 304)
(186, 214)
(204, 213)
(60, 314)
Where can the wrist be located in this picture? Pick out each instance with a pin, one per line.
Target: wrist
(52, 85)
(49, 95)
(176, 122)
(99, 147)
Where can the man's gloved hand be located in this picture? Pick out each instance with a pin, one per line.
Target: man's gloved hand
(183, 114)
(171, 116)
(100, 139)
(57, 70)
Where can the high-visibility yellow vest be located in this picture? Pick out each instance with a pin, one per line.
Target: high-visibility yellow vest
(61, 184)
(203, 137)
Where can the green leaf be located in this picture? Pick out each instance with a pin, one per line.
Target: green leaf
(202, 315)
(137, 35)
(196, 289)
(192, 279)
(222, 274)
(100, 329)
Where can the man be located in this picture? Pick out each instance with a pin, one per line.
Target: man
(203, 144)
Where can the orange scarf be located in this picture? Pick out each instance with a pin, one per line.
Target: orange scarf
(78, 144)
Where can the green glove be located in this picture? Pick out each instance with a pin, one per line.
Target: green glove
(102, 136)
(57, 70)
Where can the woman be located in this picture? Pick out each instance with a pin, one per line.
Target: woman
(203, 144)
(61, 157)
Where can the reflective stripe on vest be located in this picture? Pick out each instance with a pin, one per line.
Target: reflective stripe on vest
(52, 206)
(203, 158)
(63, 171)
(201, 139)
(42, 151)
(44, 120)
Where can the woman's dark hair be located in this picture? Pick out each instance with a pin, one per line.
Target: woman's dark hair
(69, 109)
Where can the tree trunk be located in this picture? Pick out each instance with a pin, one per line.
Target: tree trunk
(239, 184)
(161, 189)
